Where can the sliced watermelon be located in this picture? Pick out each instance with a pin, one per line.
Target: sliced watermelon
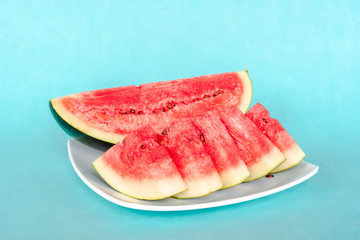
(260, 154)
(183, 141)
(110, 114)
(221, 147)
(139, 167)
(278, 135)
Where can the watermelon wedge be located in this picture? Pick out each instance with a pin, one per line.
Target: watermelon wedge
(221, 147)
(110, 114)
(139, 167)
(260, 154)
(278, 135)
(183, 141)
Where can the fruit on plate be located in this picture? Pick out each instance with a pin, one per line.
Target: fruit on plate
(261, 155)
(278, 135)
(228, 159)
(110, 114)
(140, 167)
(186, 148)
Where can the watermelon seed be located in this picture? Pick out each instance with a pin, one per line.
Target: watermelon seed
(202, 138)
(132, 111)
(266, 121)
(165, 132)
(218, 92)
(170, 105)
(143, 146)
(270, 176)
(139, 112)
(206, 96)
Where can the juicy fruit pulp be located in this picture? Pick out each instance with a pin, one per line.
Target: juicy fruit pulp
(222, 149)
(139, 167)
(278, 135)
(110, 114)
(183, 141)
(259, 154)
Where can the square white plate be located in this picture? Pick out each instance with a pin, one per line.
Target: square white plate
(82, 156)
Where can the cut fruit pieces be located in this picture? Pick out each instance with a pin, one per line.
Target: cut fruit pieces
(260, 155)
(183, 141)
(110, 114)
(139, 167)
(222, 149)
(278, 135)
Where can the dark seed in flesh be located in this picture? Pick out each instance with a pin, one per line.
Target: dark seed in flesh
(202, 138)
(165, 132)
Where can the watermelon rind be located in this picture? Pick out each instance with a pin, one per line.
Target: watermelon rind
(265, 164)
(294, 155)
(200, 187)
(234, 176)
(80, 126)
(78, 135)
(247, 95)
(146, 189)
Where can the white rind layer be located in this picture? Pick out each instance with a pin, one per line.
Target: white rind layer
(80, 125)
(201, 187)
(266, 164)
(293, 155)
(148, 189)
(234, 175)
(247, 94)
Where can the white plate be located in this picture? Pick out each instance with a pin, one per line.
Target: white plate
(82, 156)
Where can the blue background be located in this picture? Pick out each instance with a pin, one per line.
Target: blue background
(304, 61)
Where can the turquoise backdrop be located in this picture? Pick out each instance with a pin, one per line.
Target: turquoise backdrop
(303, 58)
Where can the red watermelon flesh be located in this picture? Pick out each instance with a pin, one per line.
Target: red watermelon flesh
(110, 114)
(260, 154)
(183, 141)
(228, 159)
(140, 167)
(278, 135)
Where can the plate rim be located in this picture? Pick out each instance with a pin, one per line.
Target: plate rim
(139, 206)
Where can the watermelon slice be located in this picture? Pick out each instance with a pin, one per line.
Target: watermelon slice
(260, 154)
(278, 135)
(221, 147)
(187, 150)
(139, 167)
(110, 114)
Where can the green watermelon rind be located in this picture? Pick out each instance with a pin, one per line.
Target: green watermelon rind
(69, 123)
